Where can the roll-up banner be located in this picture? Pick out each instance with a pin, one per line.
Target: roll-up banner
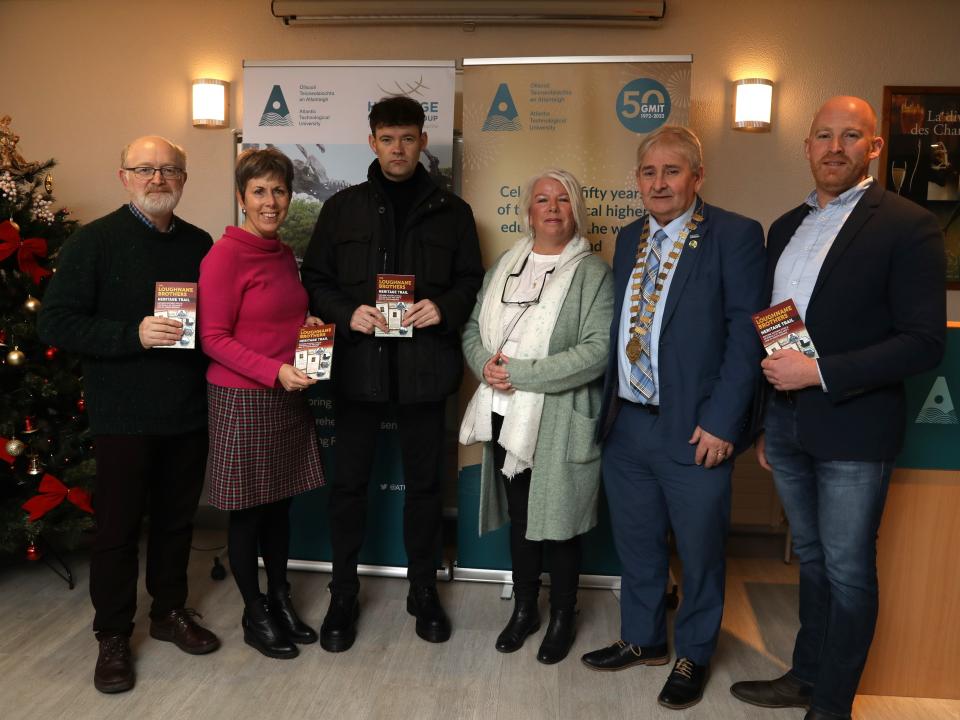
(316, 112)
(585, 115)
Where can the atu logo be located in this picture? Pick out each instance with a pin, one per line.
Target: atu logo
(938, 408)
(503, 115)
(276, 112)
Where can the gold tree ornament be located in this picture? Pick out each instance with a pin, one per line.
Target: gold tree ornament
(48, 183)
(15, 447)
(31, 304)
(16, 357)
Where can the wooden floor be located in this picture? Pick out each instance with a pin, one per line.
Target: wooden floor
(47, 654)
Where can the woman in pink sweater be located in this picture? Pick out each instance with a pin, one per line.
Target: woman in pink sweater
(263, 445)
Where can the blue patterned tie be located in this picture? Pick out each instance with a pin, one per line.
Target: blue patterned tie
(641, 373)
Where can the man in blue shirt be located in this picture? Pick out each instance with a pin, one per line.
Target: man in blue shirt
(866, 271)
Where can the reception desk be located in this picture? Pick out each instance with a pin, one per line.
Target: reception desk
(916, 648)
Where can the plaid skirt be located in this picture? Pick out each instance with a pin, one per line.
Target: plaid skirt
(263, 447)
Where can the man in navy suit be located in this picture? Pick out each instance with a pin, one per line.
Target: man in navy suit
(677, 393)
(866, 271)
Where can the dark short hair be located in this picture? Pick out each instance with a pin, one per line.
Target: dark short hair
(396, 111)
(269, 162)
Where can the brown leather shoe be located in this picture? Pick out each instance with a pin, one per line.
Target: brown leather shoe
(178, 626)
(114, 671)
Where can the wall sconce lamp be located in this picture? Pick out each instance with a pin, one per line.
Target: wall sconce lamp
(210, 103)
(752, 103)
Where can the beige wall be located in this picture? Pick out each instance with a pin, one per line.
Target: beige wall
(80, 77)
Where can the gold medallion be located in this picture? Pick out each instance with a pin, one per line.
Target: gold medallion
(633, 349)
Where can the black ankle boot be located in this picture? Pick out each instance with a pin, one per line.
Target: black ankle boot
(524, 622)
(558, 639)
(281, 608)
(264, 632)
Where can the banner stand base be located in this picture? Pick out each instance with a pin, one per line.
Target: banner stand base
(444, 572)
(505, 577)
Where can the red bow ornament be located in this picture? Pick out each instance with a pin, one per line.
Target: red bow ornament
(27, 250)
(52, 492)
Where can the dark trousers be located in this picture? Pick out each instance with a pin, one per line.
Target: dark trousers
(834, 508)
(421, 427)
(158, 474)
(528, 557)
(650, 492)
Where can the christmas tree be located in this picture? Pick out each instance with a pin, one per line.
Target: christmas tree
(46, 464)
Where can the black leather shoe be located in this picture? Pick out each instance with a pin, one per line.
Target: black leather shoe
(524, 621)
(785, 691)
(622, 655)
(281, 608)
(558, 639)
(179, 627)
(264, 632)
(433, 625)
(818, 715)
(339, 628)
(114, 672)
(684, 687)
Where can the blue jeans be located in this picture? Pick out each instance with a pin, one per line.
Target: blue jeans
(834, 508)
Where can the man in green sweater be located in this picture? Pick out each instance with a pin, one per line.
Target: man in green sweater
(146, 402)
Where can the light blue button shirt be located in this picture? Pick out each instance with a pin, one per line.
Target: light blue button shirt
(800, 263)
(626, 390)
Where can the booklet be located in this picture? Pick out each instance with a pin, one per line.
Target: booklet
(781, 328)
(178, 301)
(314, 353)
(394, 298)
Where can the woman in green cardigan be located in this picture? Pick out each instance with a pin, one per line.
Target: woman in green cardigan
(538, 341)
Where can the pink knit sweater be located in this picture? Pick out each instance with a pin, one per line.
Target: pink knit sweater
(251, 304)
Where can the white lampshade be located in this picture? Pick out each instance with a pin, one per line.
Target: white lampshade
(754, 97)
(210, 101)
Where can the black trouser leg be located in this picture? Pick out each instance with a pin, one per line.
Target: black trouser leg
(563, 562)
(181, 461)
(526, 555)
(421, 446)
(119, 500)
(357, 425)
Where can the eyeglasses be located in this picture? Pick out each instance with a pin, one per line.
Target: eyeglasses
(145, 172)
(513, 280)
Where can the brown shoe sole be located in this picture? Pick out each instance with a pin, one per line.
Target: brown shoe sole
(639, 661)
(164, 636)
(117, 686)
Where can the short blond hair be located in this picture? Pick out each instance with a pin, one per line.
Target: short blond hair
(573, 189)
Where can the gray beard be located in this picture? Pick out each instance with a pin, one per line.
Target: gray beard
(159, 203)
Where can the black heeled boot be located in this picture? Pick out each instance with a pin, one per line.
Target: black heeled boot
(524, 621)
(558, 639)
(264, 632)
(281, 608)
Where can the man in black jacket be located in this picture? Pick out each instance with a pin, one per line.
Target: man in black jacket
(866, 270)
(398, 222)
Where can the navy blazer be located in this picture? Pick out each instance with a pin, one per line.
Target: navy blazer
(709, 352)
(877, 315)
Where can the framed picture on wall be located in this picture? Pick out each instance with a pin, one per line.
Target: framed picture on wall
(920, 159)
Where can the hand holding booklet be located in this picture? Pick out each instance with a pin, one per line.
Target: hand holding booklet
(314, 353)
(781, 328)
(178, 301)
(394, 298)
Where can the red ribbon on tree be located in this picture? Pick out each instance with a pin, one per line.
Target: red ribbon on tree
(27, 250)
(53, 493)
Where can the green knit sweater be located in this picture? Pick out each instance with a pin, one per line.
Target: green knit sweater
(103, 288)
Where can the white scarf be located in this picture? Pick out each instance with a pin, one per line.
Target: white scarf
(518, 436)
